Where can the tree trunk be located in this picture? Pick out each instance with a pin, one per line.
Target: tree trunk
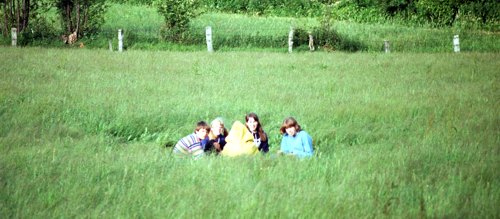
(68, 17)
(6, 19)
(18, 15)
(25, 14)
(77, 18)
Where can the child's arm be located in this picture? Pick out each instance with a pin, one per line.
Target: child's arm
(285, 147)
(306, 144)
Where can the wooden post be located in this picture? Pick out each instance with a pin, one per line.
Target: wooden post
(120, 40)
(110, 46)
(13, 32)
(387, 47)
(311, 42)
(208, 32)
(290, 40)
(456, 43)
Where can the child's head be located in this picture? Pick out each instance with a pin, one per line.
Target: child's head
(217, 126)
(252, 122)
(202, 129)
(290, 126)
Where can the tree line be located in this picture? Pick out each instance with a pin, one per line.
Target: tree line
(82, 17)
(85, 17)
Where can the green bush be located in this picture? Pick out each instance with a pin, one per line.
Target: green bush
(484, 14)
(133, 2)
(177, 14)
(298, 8)
(39, 32)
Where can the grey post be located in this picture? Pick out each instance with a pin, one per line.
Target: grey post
(208, 32)
(311, 42)
(13, 32)
(120, 40)
(290, 40)
(456, 43)
(387, 47)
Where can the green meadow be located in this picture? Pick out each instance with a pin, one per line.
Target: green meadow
(89, 133)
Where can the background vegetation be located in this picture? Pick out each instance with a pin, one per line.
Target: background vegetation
(83, 134)
(414, 26)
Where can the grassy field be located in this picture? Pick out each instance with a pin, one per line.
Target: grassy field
(232, 32)
(83, 134)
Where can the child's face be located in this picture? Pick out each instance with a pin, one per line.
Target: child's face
(291, 131)
(252, 124)
(202, 133)
(216, 128)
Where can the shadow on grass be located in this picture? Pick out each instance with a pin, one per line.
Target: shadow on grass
(328, 40)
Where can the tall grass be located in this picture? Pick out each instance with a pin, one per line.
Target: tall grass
(83, 134)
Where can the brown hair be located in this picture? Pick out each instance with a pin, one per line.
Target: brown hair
(289, 122)
(262, 135)
(202, 125)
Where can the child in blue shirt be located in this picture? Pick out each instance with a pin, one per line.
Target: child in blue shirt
(295, 141)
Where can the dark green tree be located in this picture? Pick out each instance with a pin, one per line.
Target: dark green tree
(84, 17)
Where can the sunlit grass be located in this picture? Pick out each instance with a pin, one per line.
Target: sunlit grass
(83, 134)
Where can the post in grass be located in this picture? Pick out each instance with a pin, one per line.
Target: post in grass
(120, 40)
(208, 32)
(290, 40)
(456, 43)
(387, 47)
(311, 41)
(13, 32)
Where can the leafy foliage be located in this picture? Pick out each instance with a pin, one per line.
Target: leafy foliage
(20, 14)
(177, 14)
(133, 2)
(483, 14)
(298, 8)
(83, 16)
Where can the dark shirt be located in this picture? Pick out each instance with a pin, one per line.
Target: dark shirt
(208, 145)
(264, 145)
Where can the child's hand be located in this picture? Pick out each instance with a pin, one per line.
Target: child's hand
(257, 142)
(217, 147)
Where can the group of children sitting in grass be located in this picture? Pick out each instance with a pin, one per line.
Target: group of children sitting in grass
(248, 139)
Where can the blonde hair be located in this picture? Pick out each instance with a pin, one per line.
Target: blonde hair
(211, 135)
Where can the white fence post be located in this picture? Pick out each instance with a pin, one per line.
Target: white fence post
(13, 32)
(290, 40)
(456, 43)
(110, 45)
(120, 40)
(387, 47)
(208, 32)
(311, 42)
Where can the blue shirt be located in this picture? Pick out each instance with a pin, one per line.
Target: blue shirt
(299, 145)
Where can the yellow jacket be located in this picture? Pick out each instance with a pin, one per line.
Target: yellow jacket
(239, 142)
